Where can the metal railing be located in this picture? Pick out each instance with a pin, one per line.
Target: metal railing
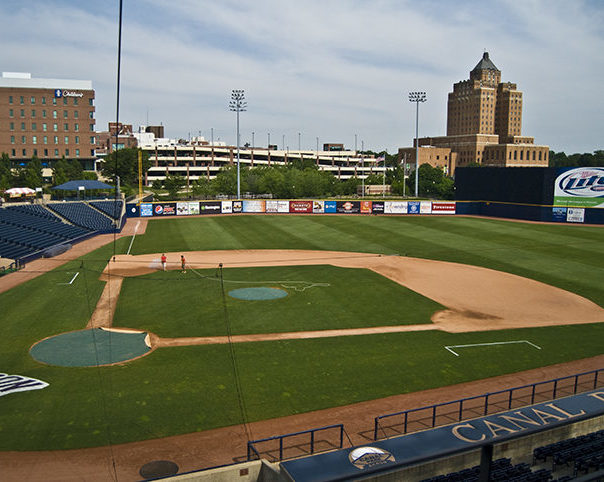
(296, 444)
(439, 414)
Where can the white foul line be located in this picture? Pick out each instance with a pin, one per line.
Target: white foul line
(133, 236)
(72, 279)
(487, 344)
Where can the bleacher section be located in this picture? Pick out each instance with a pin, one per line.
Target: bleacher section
(27, 229)
(501, 470)
(80, 214)
(113, 209)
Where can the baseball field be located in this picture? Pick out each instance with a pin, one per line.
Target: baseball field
(328, 274)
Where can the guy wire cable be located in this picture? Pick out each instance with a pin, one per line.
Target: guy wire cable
(240, 399)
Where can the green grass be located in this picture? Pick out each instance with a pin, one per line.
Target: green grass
(173, 304)
(186, 389)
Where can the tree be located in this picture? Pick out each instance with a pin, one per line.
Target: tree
(226, 181)
(124, 163)
(203, 187)
(6, 174)
(33, 173)
(433, 183)
(174, 184)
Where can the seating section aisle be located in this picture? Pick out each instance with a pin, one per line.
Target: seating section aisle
(27, 229)
(113, 209)
(81, 214)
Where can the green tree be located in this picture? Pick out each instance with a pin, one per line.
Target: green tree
(202, 187)
(124, 163)
(6, 174)
(33, 173)
(60, 172)
(225, 181)
(174, 184)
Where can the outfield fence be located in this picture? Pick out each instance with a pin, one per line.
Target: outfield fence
(417, 419)
(298, 444)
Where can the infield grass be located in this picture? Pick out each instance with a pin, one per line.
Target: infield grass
(186, 389)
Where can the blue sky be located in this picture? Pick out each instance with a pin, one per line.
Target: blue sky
(326, 69)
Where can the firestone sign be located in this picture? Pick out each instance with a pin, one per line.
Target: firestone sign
(67, 93)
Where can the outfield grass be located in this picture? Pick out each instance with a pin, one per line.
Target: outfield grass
(175, 304)
(186, 389)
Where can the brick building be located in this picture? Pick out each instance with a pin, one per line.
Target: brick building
(46, 118)
(484, 125)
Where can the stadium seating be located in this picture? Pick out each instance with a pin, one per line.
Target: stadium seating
(80, 214)
(113, 209)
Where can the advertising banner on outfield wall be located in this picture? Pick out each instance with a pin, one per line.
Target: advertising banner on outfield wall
(300, 206)
(580, 186)
(377, 207)
(575, 215)
(164, 209)
(253, 206)
(194, 208)
(366, 207)
(274, 206)
(330, 206)
(318, 207)
(425, 207)
(210, 207)
(440, 207)
(395, 207)
(132, 210)
(237, 207)
(182, 208)
(413, 207)
(348, 207)
(226, 207)
(559, 215)
(146, 210)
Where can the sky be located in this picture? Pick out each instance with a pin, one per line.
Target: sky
(335, 70)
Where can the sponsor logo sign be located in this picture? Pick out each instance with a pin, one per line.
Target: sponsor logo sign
(348, 207)
(559, 214)
(318, 207)
(226, 207)
(237, 207)
(581, 186)
(575, 215)
(67, 93)
(194, 208)
(330, 206)
(146, 210)
(413, 207)
(366, 457)
(132, 210)
(395, 207)
(274, 206)
(366, 207)
(164, 209)
(377, 207)
(443, 207)
(300, 206)
(210, 207)
(425, 207)
(17, 383)
(182, 209)
(253, 206)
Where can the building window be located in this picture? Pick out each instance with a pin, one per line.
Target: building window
(11, 113)
(44, 113)
(44, 100)
(65, 127)
(64, 100)
(91, 114)
(10, 99)
(12, 126)
(91, 152)
(54, 114)
(91, 127)
(515, 155)
(66, 139)
(12, 139)
(24, 152)
(22, 126)
(56, 152)
(539, 155)
(33, 112)
(75, 101)
(22, 112)
(32, 100)
(54, 101)
(92, 139)
(90, 102)
(65, 114)
(67, 152)
(12, 152)
(77, 139)
(77, 153)
(34, 140)
(56, 139)
(54, 127)
(35, 152)
(44, 127)
(34, 126)
(76, 127)
(45, 152)
(21, 100)
(23, 140)
(45, 139)
(75, 114)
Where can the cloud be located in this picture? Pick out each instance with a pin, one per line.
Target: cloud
(325, 69)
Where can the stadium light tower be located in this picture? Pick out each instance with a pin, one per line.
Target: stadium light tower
(238, 104)
(416, 97)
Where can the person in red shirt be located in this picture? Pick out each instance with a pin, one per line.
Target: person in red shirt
(183, 264)
(163, 261)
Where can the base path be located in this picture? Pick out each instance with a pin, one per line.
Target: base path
(477, 299)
